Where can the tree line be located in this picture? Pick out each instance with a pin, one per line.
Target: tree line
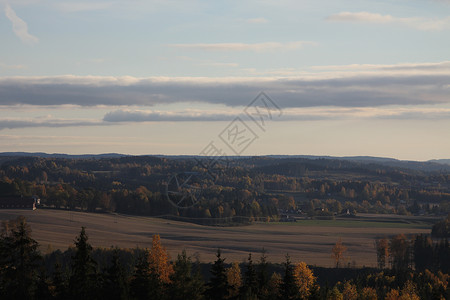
(84, 273)
(254, 188)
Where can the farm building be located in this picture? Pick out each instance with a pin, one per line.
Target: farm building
(19, 202)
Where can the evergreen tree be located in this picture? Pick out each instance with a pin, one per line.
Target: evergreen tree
(273, 286)
(145, 283)
(249, 289)
(423, 253)
(218, 284)
(19, 258)
(59, 283)
(263, 276)
(183, 284)
(115, 285)
(43, 287)
(289, 289)
(83, 281)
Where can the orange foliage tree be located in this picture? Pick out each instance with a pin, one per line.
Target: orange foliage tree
(338, 252)
(305, 280)
(159, 260)
(234, 279)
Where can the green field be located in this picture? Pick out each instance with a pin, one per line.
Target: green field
(356, 223)
(306, 240)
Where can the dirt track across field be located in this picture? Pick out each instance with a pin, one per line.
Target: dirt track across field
(304, 242)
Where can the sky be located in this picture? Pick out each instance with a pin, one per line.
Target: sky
(322, 77)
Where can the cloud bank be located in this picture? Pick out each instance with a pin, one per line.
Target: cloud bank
(406, 85)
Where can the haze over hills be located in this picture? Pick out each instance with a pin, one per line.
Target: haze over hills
(430, 165)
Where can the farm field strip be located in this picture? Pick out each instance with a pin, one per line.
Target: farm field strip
(309, 240)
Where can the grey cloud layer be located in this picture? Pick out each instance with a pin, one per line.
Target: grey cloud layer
(13, 124)
(141, 116)
(346, 91)
(303, 114)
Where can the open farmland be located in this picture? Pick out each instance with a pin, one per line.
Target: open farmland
(308, 240)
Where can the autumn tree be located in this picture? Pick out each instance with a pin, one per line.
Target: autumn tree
(392, 295)
(304, 279)
(349, 292)
(234, 279)
(368, 293)
(334, 294)
(382, 247)
(338, 251)
(399, 249)
(159, 260)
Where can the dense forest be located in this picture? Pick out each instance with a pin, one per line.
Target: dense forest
(408, 269)
(232, 189)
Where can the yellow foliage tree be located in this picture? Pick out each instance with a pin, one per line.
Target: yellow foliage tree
(349, 292)
(338, 252)
(234, 279)
(368, 293)
(409, 291)
(159, 260)
(304, 278)
(393, 295)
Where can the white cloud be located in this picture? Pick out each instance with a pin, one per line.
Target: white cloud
(20, 27)
(367, 17)
(268, 46)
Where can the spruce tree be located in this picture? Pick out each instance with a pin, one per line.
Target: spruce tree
(145, 283)
(83, 281)
(288, 289)
(19, 259)
(218, 284)
(249, 289)
(184, 285)
(263, 276)
(115, 284)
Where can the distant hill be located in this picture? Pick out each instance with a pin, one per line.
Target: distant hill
(434, 165)
(441, 161)
(60, 155)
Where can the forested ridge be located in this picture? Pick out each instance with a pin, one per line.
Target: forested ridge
(256, 188)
